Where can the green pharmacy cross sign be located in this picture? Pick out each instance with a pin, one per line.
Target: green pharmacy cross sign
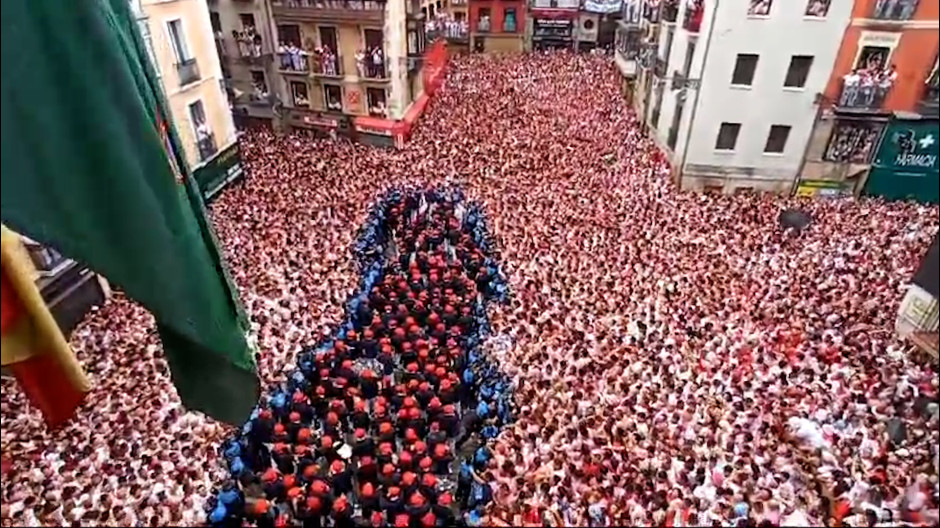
(906, 165)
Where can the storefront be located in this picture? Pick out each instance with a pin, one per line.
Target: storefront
(321, 124)
(223, 169)
(553, 28)
(905, 164)
(824, 189)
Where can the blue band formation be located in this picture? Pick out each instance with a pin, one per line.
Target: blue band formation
(385, 423)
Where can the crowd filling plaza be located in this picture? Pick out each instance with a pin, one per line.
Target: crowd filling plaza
(516, 320)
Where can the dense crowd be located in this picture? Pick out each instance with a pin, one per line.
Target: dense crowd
(677, 359)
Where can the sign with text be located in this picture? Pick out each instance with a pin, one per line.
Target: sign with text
(911, 146)
(606, 6)
(551, 29)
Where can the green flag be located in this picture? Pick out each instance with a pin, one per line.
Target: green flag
(91, 165)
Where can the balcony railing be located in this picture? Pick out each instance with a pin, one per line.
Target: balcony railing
(509, 26)
(894, 9)
(370, 68)
(651, 12)
(692, 21)
(330, 10)
(483, 26)
(327, 64)
(293, 61)
(188, 71)
(207, 146)
(670, 10)
(864, 91)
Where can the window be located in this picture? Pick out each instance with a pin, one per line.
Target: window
(178, 41)
(483, 23)
(759, 8)
(509, 20)
(328, 37)
(873, 58)
(817, 8)
(777, 139)
(375, 97)
(247, 20)
(895, 9)
(298, 92)
(727, 136)
(215, 21)
(744, 69)
(259, 82)
(205, 141)
(289, 34)
(798, 71)
(333, 97)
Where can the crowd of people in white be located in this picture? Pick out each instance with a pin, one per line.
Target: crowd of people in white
(679, 358)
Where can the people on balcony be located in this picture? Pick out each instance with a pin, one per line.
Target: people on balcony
(867, 88)
(446, 25)
(484, 25)
(694, 12)
(248, 40)
(326, 60)
(292, 57)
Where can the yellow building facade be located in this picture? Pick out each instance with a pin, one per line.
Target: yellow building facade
(181, 44)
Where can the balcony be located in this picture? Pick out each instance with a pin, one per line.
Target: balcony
(509, 26)
(188, 71)
(670, 11)
(694, 12)
(250, 49)
(483, 26)
(372, 67)
(293, 61)
(206, 145)
(864, 92)
(651, 13)
(349, 11)
(894, 10)
(458, 3)
(327, 64)
(452, 31)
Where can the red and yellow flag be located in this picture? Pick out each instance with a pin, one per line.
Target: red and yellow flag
(33, 347)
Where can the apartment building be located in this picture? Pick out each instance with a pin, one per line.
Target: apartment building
(353, 67)
(245, 45)
(731, 105)
(877, 130)
(919, 314)
(180, 42)
(497, 25)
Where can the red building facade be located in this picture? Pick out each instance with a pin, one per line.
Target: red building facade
(497, 25)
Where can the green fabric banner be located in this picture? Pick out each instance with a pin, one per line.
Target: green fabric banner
(92, 166)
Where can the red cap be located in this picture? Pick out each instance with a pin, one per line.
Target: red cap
(393, 491)
(424, 386)
(299, 397)
(413, 385)
(403, 414)
(445, 384)
(368, 489)
(388, 469)
(261, 507)
(411, 435)
(409, 402)
(321, 390)
(319, 487)
(365, 461)
(380, 400)
(295, 417)
(408, 478)
(360, 433)
(310, 471)
(435, 403)
(326, 442)
(294, 492)
(347, 363)
(385, 448)
(428, 520)
(280, 447)
(425, 463)
(337, 466)
(440, 450)
(367, 374)
(449, 409)
(290, 481)
(341, 503)
(279, 429)
(270, 475)
(303, 435)
(360, 406)
(445, 499)
(416, 499)
(377, 519)
(332, 418)
(265, 414)
(385, 427)
(405, 457)
(412, 367)
(428, 479)
(314, 503)
(414, 413)
(301, 449)
(402, 520)
(420, 447)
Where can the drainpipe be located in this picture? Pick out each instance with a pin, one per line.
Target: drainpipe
(688, 133)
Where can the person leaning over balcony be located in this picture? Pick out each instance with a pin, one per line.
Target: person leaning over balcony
(850, 88)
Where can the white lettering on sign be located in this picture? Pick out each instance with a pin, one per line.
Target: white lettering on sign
(915, 160)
